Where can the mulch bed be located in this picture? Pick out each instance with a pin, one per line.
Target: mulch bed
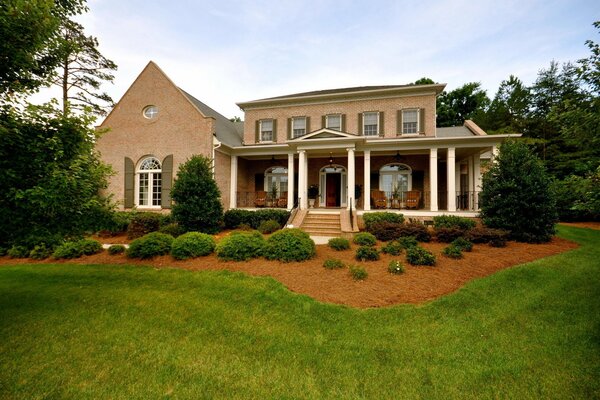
(416, 285)
(589, 225)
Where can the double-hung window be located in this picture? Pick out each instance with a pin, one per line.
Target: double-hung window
(149, 183)
(266, 130)
(410, 121)
(334, 122)
(298, 127)
(371, 123)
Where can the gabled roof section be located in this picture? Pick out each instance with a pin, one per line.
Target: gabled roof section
(345, 93)
(469, 128)
(325, 133)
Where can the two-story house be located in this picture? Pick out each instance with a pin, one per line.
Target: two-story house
(369, 147)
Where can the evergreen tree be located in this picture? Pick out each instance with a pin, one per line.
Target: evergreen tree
(466, 102)
(509, 109)
(197, 198)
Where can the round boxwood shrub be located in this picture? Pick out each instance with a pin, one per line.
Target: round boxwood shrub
(452, 252)
(393, 248)
(150, 245)
(332, 263)
(191, 245)
(395, 267)
(367, 253)
(364, 239)
(269, 226)
(289, 245)
(339, 244)
(463, 244)
(358, 273)
(116, 249)
(241, 246)
(419, 256)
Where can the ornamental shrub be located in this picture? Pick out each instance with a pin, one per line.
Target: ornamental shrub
(393, 248)
(407, 242)
(367, 253)
(375, 217)
(516, 195)
(417, 255)
(281, 216)
(75, 249)
(192, 245)
(269, 226)
(236, 217)
(395, 267)
(197, 198)
(89, 246)
(142, 224)
(358, 273)
(116, 249)
(241, 246)
(498, 242)
(150, 245)
(452, 252)
(289, 245)
(332, 263)
(386, 231)
(339, 244)
(453, 221)
(463, 244)
(18, 252)
(172, 229)
(447, 235)
(486, 235)
(364, 239)
(417, 230)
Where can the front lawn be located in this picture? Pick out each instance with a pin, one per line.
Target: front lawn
(89, 332)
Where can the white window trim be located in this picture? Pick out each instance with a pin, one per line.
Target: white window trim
(333, 115)
(343, 184)
(418, 110)
(260, 131)
(150, 173)
(363, 123)
(297, 119)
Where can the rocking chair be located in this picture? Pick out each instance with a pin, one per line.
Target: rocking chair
(260, 199)
(413, 198)
(378, 199)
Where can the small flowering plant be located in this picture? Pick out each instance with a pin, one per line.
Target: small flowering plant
(395, 267)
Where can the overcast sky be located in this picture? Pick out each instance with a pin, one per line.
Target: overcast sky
(224, 52)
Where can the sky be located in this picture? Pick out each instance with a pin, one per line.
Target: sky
(224, 52)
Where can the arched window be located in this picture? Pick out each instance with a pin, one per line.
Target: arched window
(149, 183)
(395, 179)
(278, 177)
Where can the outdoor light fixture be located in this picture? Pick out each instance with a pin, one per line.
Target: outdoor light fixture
(331, 161)
(398, 157)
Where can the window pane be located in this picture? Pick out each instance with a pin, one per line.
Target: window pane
(409, 121)
(150, 164)
(298, 127)
(156, 189)
(266, 125)
(370, 118)
(334, 122)
(143, 191)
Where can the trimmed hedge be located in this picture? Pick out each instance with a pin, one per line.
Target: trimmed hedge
(367, 253)
(289, 245)
(447, 235)
(150, 245)
(77, 249)
(453, 221)
(364, 239)
(116, 249)
(241, 246)
(269, 226)
(192, 245)
(376, 217)
(339, 244)
(332, 263)
(417, 255)
(486, 235)
(236, 217)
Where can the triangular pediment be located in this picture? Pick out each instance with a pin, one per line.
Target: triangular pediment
(325, 134)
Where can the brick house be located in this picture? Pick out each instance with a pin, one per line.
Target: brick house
(369, 147)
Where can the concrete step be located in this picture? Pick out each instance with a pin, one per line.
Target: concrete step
(324, 233)
(321, 229)
(323, 217)
(317, 226)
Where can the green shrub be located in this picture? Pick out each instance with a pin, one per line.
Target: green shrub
(236, 217)
(18, 252)
(463, 244)
(447, 235)
(150, 245)
(269, 226)
(393, 248)
(142, 224)
(358, 273)
(386, 231)
(75, 249)
(395, 267)
(517, 196)
(332, 263)
(415, 229)
(241, 246)
(191, 245)
(281, 216)
(339, 244)
(498, 242)
(89, 246)
(367, 253)
(116, 249)
(3, 251)
(116, 222)
(407, 242)
(419, 256)
(289, 245)
(172, 229)
(486, 235)
(375, 217)
(452, 252)
(364, 239)
(453, 221)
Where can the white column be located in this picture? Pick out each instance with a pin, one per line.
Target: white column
(471, 178)
(302, 179)
(477, 179)
(367, 181)
(433, 180)
(233, 182)
(351, 178)
(451, 178)
(457, 180)
(290, 198)
(495, 152)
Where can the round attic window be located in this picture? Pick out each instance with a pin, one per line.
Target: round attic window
(150, 112)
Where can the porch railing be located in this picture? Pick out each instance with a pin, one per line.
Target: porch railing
(250, 200)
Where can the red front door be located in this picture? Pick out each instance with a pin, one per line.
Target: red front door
(332, 194)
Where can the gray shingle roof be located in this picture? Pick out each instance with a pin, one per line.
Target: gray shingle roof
(453, 131)
(229, 133)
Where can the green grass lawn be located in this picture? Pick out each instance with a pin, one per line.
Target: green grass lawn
(92, 332)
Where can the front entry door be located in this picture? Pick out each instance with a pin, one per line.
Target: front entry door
(332, 195)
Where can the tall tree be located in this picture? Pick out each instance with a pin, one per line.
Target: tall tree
(81, 71)
(466, 102)
(509, 109)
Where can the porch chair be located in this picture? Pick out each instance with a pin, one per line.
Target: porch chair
(378, 199)
(260, 198)
(413, 198)
(282, 201)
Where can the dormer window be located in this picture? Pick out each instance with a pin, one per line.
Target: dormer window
(266, 130)
(334, 122)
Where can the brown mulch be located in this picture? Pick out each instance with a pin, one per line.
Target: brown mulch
(590, 224)
(416, 285)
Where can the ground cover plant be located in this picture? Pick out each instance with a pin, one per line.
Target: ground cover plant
(104, 331)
